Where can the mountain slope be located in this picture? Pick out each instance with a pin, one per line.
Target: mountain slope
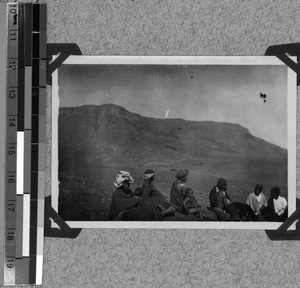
(111, 135)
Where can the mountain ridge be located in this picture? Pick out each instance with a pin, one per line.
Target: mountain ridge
(114, 108)
(111, 134)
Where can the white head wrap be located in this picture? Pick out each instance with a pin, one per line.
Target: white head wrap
(148, 174)
(121, 177)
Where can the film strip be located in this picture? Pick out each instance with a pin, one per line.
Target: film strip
(25, 143)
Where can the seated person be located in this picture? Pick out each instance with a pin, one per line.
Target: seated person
(277, 207)
(220, 200)
(177, 191)
(190, 203)
(151, 193)
(227, 210)
(257, 200)
(138, 192)
(192, 207)
(126, 206)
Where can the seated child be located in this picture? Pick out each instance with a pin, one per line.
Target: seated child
(190, 203)
(138, 192)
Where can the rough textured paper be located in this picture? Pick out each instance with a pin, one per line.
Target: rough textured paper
(172, 258)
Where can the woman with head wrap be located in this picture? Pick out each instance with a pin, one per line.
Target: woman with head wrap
(151, 193)
(126, 206)
(148, 186)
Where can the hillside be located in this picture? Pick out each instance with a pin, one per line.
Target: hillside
(97, 141)
(113, 135)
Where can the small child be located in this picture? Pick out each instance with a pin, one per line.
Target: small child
(190, 203)
(138, 192)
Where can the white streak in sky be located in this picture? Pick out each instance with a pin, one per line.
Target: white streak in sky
(249, 87)
(167, 113)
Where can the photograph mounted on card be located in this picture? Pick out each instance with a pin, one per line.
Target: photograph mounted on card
(174, 142)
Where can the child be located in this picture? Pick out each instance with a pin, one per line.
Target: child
(191, 205)
(138, 192)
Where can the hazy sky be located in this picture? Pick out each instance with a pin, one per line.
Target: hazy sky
(224, 93)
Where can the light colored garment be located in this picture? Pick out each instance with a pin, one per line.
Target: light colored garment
(258, 197)
(121, 177)
(256, 203)
(280, 205)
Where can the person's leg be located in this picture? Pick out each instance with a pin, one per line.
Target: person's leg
(251, 215)
(284, 216)
(260, 217)
(169, 211)
(144, 211)
(122, 216)
(194, 210)
(271, 217)
(208, 215)
(222, 215)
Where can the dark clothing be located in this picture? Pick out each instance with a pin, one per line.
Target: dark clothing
(191, 206)
(158, 200)
(122, 201)
(226, 210)
(219, 203)
(218, 199)
(190, 202)
(222, 215)
(124, 206)
(138, 192)
(177, 195)
(241, 211)
(150, 191)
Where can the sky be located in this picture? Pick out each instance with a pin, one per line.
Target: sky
(221, 93)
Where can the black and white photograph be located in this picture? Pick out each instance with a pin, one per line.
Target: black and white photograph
(174, 142)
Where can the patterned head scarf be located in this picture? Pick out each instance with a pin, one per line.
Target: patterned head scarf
(121, 177)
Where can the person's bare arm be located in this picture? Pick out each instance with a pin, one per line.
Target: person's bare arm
(185, 201)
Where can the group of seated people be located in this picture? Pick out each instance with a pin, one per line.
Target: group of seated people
(257, 207)
(147, 203)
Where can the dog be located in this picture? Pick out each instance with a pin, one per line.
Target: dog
(241, 212)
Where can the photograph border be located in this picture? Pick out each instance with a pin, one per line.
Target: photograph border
(181, 60)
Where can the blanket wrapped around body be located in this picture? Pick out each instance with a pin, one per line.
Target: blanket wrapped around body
(126, 207)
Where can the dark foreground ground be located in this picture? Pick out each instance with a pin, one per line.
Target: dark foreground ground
(85, 195)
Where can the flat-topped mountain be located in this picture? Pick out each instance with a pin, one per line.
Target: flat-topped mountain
(113, 135)
(97, 141)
